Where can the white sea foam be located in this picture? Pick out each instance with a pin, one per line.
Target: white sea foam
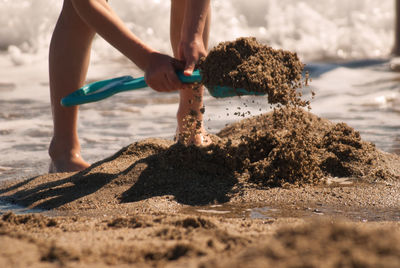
(315, 29)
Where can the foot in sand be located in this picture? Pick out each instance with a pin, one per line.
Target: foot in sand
(190, 130)
(66, 158)
(195, 137)
(71, 163)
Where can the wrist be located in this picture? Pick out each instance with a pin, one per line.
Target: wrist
(146, 59)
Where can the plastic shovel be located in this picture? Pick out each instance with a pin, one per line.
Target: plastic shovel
(105, 88)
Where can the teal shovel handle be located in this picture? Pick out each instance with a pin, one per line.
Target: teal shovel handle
(106, 88)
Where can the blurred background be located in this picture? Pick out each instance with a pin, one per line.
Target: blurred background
(346, 45)
(317, 30)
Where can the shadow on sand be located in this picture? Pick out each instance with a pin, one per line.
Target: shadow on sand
(194, 176)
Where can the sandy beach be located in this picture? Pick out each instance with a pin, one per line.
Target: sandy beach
(138, 208)
(284, 189)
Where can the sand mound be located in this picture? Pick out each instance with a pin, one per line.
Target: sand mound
(288, 147)
(245, 63)
(293, 146)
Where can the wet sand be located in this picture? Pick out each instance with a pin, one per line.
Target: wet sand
(246, 63)
(137, 208)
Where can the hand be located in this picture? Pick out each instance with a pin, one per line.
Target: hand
(190, 53)
(160, 73)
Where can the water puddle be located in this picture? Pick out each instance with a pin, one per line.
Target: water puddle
(220, 209)
(261, 213)
(319, 210)
(214, 209)
(8, 207)
(336, 181)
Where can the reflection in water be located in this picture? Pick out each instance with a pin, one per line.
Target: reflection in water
(272, 213)
(7, 207)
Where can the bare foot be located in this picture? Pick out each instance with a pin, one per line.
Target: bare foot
(68, 164)
(192, 132)
(198, 139)
(202, 139)
(65, 156)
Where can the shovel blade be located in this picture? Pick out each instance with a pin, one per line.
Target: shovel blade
(226, 92)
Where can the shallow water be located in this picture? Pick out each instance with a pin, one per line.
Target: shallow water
(272, 213)
(363, 215)
(362, 212)
(7, 207)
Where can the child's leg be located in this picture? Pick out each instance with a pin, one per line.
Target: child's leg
(189, 116)
(68, 63)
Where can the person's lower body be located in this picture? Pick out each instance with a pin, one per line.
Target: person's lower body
(190, 128)
(68, 64)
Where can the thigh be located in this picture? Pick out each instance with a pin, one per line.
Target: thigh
(177, 16)
(176, 21)
(70, 21)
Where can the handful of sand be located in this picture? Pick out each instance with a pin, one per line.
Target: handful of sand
(245, 63)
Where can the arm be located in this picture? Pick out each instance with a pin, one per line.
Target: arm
(192, 46)
(158, 68)
(396, 48)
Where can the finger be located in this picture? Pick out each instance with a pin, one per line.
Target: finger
(169, 85)
(175, 82)
(178, 64)
(160, 81)
(189, 68)
(164, 84)
(156, 85)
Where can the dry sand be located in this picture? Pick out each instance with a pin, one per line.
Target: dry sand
(160, 204)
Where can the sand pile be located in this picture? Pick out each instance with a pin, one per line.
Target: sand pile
(245, 63)
(293, 146)
(245, 160)
(289, 145)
